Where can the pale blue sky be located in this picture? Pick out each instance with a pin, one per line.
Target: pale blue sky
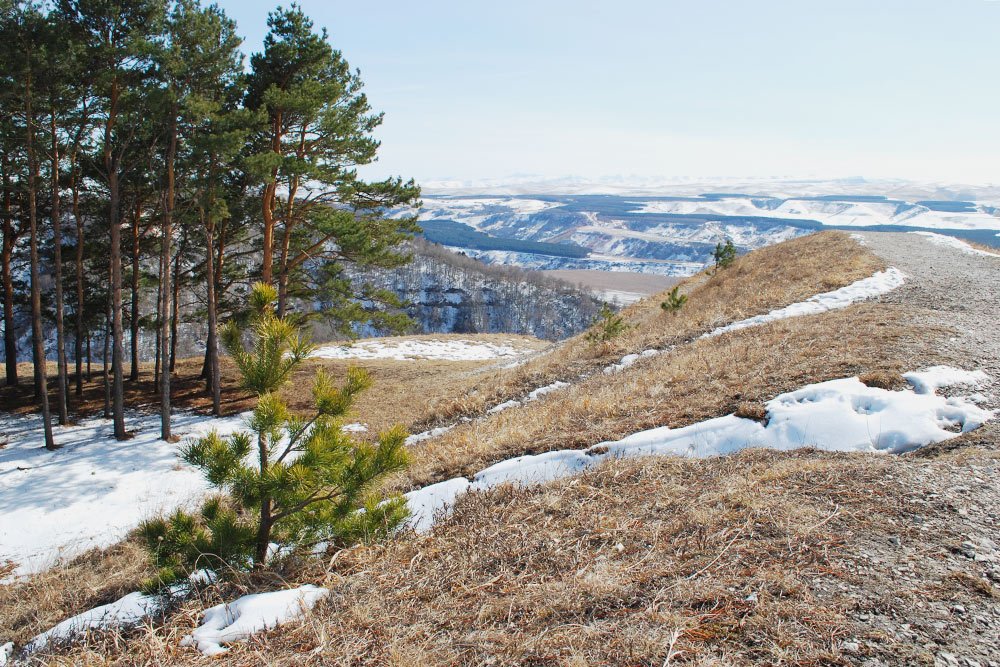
(902, 88)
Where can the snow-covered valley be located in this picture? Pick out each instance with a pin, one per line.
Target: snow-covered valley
(672, 229)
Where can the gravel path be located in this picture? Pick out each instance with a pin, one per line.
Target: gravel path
(912, 592)
(953, 289)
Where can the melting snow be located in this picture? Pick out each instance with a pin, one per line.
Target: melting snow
(127, 611)
(628, 360)
(547, 389)
(427, 435)
(952, 242)
(403, 350)
(238, 620)
(928, 381)
(880, 283)
(503, 406)
(94, 489)
(842, 415)
(428, 503)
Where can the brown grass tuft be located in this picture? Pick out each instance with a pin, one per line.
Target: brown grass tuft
(883, 380)
(754, 411)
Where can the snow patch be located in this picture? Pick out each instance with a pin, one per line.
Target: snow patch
(952, 242)
(354, 428)
(250, 614)
(841, 415)
(628, 360)
(527, 470)
(94, 489)
(432, 501)
(417, 438)
(929, 380)
(407, 350)
(124, 612)
(503, 406)
(880, 283)
(547, 389)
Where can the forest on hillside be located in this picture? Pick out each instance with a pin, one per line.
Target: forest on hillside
(147, 171)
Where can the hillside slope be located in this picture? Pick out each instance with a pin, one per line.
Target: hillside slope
(801, 557)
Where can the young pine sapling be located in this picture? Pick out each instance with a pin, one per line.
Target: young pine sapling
(291, 479)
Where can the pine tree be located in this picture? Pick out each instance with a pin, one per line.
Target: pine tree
(317, 128)
(724, 255)
(118, 35)
(291, 479)
(606, 326)
(675, 300)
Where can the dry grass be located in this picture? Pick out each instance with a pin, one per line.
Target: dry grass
(404, 391)
(97, 577)
(883, 380)
(756, 558)
(695, 381)
(769, 278)
(985, 248)
(538, 576)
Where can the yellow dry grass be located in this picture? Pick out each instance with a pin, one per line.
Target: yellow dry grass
(768, 278)
(698, 379)
(756, 558)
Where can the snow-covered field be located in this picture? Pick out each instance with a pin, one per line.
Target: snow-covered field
(444, 350)
(94, 489)
(831, 212)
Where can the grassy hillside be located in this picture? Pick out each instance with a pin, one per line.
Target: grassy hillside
(755, 558)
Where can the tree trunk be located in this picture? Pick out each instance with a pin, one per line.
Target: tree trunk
(62, 379)
(6, 252)
(79, 281)
(111, 165)
(168, 212)
(176, 289)
(267, 203)
(159, 325)
(134, 371)
(212, 345)
(107, 338)
(264, 527)
(38, 343)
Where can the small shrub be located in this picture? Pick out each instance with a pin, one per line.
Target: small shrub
(607, 325)
(724, 255)
(675, 301)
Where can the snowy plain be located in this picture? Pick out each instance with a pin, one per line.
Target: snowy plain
(405, 350)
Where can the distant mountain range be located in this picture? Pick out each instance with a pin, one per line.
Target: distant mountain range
(674, 233)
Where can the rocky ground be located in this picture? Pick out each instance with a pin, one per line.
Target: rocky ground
(930, 592)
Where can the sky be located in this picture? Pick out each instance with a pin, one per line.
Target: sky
(476, 90)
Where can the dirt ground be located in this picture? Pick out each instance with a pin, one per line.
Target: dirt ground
(622, 281)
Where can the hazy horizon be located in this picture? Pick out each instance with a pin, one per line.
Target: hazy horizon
(896, 89)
